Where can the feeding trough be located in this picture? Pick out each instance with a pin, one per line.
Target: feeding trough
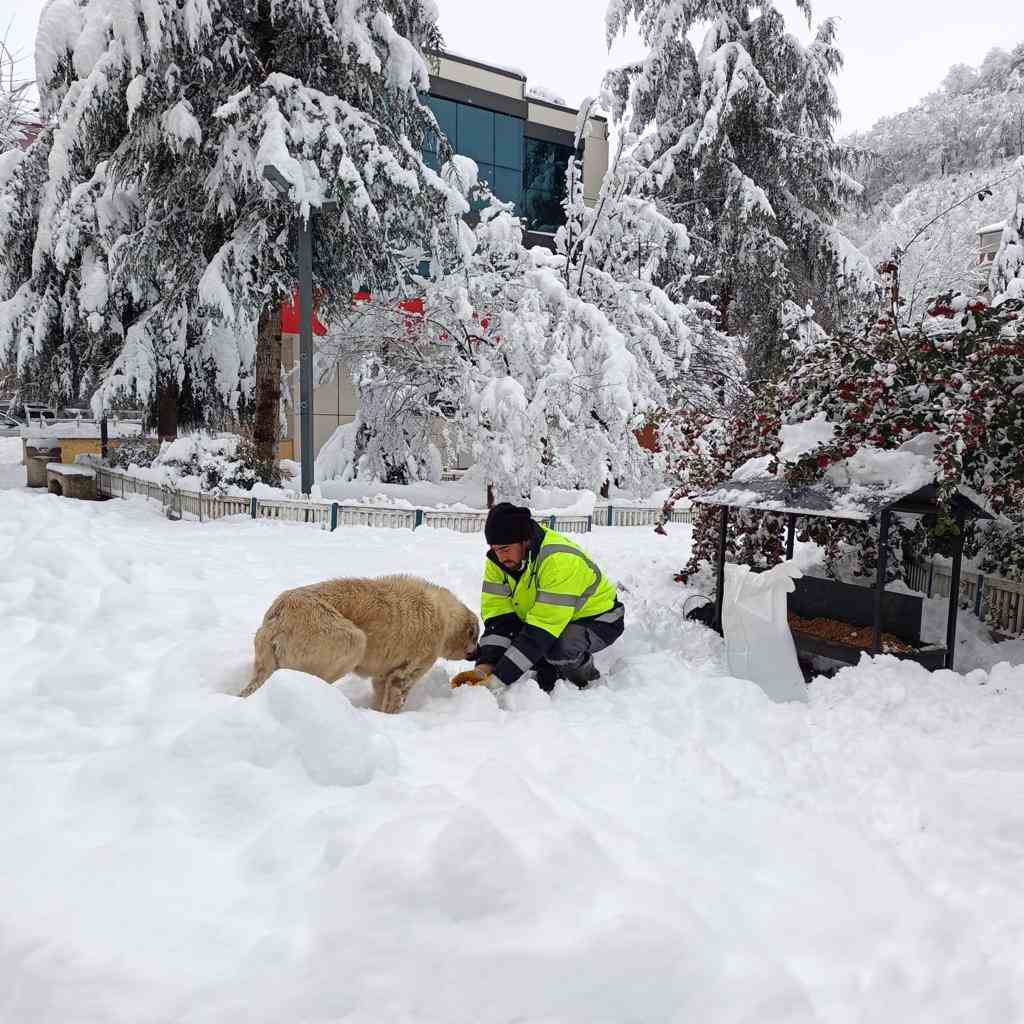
(836, 620)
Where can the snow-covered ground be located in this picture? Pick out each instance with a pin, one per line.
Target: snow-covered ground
(669, 846)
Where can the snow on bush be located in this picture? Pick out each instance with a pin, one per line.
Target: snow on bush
(198, 462)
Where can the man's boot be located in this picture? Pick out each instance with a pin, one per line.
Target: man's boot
(583, 675)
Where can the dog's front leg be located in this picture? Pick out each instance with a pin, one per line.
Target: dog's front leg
(391, 688)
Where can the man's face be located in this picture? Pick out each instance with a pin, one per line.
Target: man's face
(511, 555)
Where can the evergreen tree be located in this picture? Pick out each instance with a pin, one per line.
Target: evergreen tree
(1007, 276)
(740, 147)
(168, 115)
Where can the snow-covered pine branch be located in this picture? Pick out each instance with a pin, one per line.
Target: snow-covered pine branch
(737, 138)
(166, 115)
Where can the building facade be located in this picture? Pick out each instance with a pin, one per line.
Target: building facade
(521, 145)
(989, 238)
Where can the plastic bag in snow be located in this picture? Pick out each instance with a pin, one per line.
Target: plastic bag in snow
(758, 643)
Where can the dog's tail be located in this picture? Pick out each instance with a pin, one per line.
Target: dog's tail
(266, 657)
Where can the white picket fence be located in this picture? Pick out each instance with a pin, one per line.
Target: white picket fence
(329, 515)
(997, 601)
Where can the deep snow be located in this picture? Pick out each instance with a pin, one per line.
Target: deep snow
(669, 846)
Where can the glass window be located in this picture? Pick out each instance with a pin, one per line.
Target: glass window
(543, 211)
(508, 141)
(494, 141)
(486, 173)
(508, 186)
(544, 184)
(447, 116)
(476, 133)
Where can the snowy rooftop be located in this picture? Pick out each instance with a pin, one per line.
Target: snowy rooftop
(858, 488)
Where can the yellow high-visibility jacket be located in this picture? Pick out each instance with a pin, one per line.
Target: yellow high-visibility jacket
(558, 584)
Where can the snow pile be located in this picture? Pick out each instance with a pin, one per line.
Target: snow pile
(669, 845)
(469, 494)
(800, 438)
(545, 95)
(871, 473)
(12, 472)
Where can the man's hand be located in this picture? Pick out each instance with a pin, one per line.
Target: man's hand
(474, 677)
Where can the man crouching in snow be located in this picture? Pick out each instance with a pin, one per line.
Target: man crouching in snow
(545, 605)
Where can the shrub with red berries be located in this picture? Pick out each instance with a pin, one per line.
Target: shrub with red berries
(959, 375)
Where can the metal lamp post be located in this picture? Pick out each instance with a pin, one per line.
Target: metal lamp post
(304, 258)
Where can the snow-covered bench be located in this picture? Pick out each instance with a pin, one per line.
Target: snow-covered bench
(71, 481)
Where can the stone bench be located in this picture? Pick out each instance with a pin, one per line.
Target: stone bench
(71, 481)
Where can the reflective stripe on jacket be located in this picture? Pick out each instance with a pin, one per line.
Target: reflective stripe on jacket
(559, 584)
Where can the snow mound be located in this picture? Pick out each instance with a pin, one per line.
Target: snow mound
(545, 95)
(322, 728)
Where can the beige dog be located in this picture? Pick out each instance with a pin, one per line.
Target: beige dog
(390, 630)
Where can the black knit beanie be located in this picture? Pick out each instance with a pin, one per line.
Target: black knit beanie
(508, 524)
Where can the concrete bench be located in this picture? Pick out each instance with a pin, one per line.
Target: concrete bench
(71, 481)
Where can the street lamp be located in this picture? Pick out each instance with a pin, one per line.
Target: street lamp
(304, 254)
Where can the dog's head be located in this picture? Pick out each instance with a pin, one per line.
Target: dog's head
(463, 636)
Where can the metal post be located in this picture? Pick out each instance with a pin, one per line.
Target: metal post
(334, 516)
(723, 526)
(252, 506)
(979, 592)
(790, 535)
(305, 254)
(551, 522)
(104, 440)
(419, 519)
(931, 574)
(883, 551)
(954, 594)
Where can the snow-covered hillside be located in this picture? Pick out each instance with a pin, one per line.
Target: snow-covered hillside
(669, 846)
(945, 257)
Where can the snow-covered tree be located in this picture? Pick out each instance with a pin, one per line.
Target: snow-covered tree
(156, 204)
(624, 255)
(740, 146)
(543, 366)
(14, 99)
(1007, 277)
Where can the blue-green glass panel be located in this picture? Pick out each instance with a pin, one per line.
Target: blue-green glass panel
(543, 210)
(508, 141)
(508, 186)
(545, 166)
(476, 133)
(486, 173)
(446, 113)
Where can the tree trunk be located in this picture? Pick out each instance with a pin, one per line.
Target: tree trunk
(167, 410)
(266, 427)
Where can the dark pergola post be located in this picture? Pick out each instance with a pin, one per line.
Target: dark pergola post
(104, 438)
(883, 553)
(790, 535)
(954, 592)
(723, 526)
